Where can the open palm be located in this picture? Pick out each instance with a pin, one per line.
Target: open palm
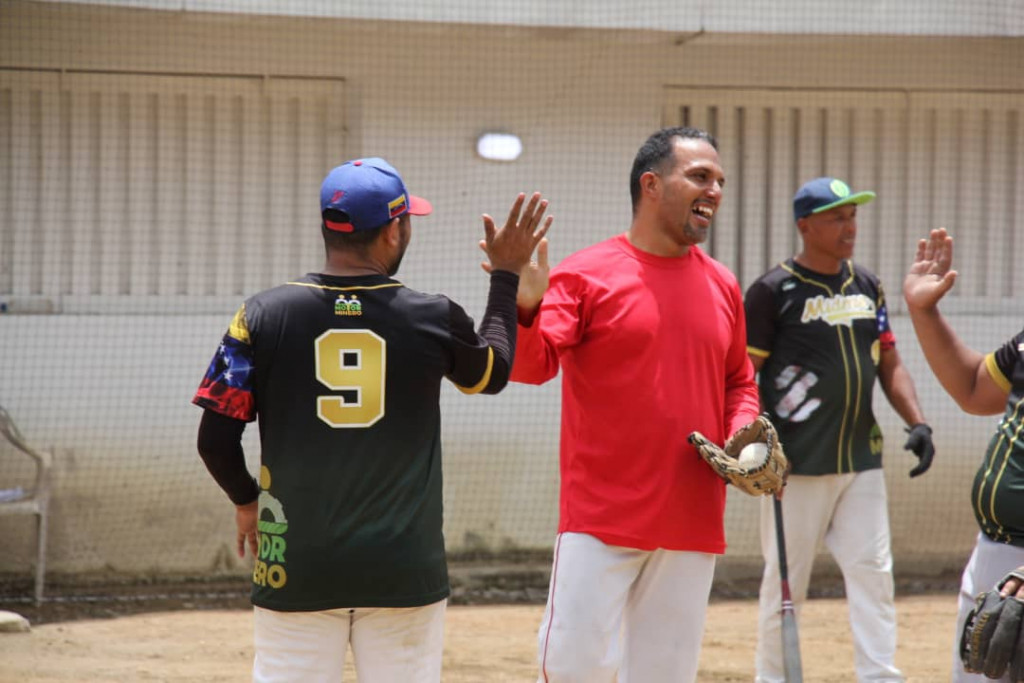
(510, 246)
(930, 276)
(527, 233)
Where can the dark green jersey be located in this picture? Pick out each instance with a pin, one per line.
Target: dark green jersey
(344, 375)
(998, 492)
(821, 337)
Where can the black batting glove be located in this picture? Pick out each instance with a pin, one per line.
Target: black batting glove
(920, 442)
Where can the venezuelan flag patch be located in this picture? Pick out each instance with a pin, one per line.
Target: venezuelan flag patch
(397, 206)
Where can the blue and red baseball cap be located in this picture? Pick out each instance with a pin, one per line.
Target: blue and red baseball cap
(369, 192)
(822, 194)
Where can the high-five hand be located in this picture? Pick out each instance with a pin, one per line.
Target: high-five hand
(930, 276)
(510, 247)
(533, 280)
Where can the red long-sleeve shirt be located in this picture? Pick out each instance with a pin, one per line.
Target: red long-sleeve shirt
(651, 348)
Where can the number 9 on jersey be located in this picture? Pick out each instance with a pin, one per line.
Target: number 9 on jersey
(351, 363)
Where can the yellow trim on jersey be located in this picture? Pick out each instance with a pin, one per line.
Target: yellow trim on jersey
(479, 386)
(846, 406)
(239, 329)
(999, 444)
(760, 353)
(996, 374)
(849, 279)
(859, 371)
(846, 363)
(344, 289)
(1002, 466)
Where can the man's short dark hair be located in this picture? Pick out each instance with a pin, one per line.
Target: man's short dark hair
(656, 154)
(358, 240)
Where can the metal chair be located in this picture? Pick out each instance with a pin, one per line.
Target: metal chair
(35, 502)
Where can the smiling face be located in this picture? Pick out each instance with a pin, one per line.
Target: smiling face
(690, 191)
(829, 237)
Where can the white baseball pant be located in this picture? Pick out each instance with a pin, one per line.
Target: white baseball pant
(989, 563)
(389, 645)
(848, 513)
(614, 610)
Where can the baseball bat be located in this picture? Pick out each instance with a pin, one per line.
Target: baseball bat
(790, 639)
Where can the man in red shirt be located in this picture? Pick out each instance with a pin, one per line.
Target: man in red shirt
(650, 335)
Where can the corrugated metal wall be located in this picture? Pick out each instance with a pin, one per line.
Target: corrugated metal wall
(117, 187)
(952, 159)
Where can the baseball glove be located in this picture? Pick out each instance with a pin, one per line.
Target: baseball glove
(761, 477)
(991, 640)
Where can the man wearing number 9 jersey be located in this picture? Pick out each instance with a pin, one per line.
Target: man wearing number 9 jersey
(343, 369)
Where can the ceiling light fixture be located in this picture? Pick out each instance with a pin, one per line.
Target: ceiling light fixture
(499, 146)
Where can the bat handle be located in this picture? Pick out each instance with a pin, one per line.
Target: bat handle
(780, 542)
(790, 637)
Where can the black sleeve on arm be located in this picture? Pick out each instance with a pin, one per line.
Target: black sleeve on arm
(220, 447)
(759, 308)
(498, 327)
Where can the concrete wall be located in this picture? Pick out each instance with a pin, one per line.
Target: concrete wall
(111, 393)
(887, 17)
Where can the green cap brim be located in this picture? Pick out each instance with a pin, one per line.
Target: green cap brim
(859, 198)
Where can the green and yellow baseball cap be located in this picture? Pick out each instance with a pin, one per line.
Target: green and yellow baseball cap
(822, 194)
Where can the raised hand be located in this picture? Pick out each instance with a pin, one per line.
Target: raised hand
(930, 276)
(511, 246)
(533, 280)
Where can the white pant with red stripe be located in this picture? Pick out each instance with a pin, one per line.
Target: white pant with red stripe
(613, 610)
(389, 644)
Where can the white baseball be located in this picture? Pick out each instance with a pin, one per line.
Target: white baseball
(753, 454)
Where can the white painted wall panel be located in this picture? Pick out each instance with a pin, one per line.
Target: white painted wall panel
(153, 186)
(959, 169)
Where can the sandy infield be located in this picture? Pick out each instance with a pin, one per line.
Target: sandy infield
(482, 644)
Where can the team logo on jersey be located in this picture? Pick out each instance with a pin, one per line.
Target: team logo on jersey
(272, 525)
(343, 306)
(875, 440)
(838, 309)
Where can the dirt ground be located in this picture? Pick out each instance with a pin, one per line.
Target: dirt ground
(484, 643)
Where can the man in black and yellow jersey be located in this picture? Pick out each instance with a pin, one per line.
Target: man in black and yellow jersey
(818, 333)
(343, 369)
(981, 384)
